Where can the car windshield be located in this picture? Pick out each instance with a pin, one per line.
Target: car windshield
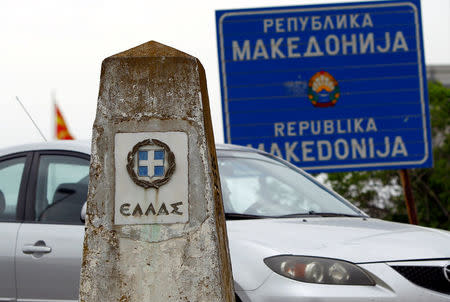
(255, 185)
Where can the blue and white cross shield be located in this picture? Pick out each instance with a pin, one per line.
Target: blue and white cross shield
(150, 163)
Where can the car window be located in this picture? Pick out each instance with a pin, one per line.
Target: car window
(11, 172)
(61, 190)
(266, 187)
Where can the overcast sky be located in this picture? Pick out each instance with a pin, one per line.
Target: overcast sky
(58, 45)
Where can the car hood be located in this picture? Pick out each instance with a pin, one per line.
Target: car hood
(356, 240)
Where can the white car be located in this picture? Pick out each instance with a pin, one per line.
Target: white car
(291, 239)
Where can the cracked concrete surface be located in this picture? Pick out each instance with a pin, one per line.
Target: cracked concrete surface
(155, 88)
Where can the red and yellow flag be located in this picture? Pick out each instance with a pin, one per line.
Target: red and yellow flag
(62, 132)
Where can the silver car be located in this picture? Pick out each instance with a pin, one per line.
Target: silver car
(291, 239)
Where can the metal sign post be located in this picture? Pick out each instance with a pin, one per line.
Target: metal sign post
(409, 199)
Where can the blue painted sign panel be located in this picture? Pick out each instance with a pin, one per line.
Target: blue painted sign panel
(327, 87)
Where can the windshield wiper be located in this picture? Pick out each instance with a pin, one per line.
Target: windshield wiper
(238, 216)
(321, 214)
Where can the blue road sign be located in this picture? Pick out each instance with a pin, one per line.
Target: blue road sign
(327, 87)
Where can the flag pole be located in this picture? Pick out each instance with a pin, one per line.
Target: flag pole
(53, 120)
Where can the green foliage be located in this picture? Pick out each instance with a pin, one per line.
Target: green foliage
(379, 193)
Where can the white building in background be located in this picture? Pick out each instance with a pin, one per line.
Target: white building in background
(440, 73)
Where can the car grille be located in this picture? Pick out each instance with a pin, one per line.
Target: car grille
(431, 277)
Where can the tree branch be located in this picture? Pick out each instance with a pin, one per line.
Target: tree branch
(435, 199)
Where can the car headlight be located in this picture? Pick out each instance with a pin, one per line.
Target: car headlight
(318, 270)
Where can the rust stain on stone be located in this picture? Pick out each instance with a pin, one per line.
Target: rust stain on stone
(124, 298)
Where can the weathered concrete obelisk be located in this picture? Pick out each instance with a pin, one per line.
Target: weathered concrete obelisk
(155, 229)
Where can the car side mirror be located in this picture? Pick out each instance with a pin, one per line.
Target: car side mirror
(83, 212)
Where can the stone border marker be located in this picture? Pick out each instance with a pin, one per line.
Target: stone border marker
(155, 229)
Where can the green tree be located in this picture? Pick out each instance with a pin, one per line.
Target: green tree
(379, 192)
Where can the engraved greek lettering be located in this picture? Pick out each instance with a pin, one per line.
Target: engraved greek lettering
(175, 207)
(124, 209)
(163, 210)
(150, 209)
(137, 210)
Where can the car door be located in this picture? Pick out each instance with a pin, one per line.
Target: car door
(14, 172)
(49, 243)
